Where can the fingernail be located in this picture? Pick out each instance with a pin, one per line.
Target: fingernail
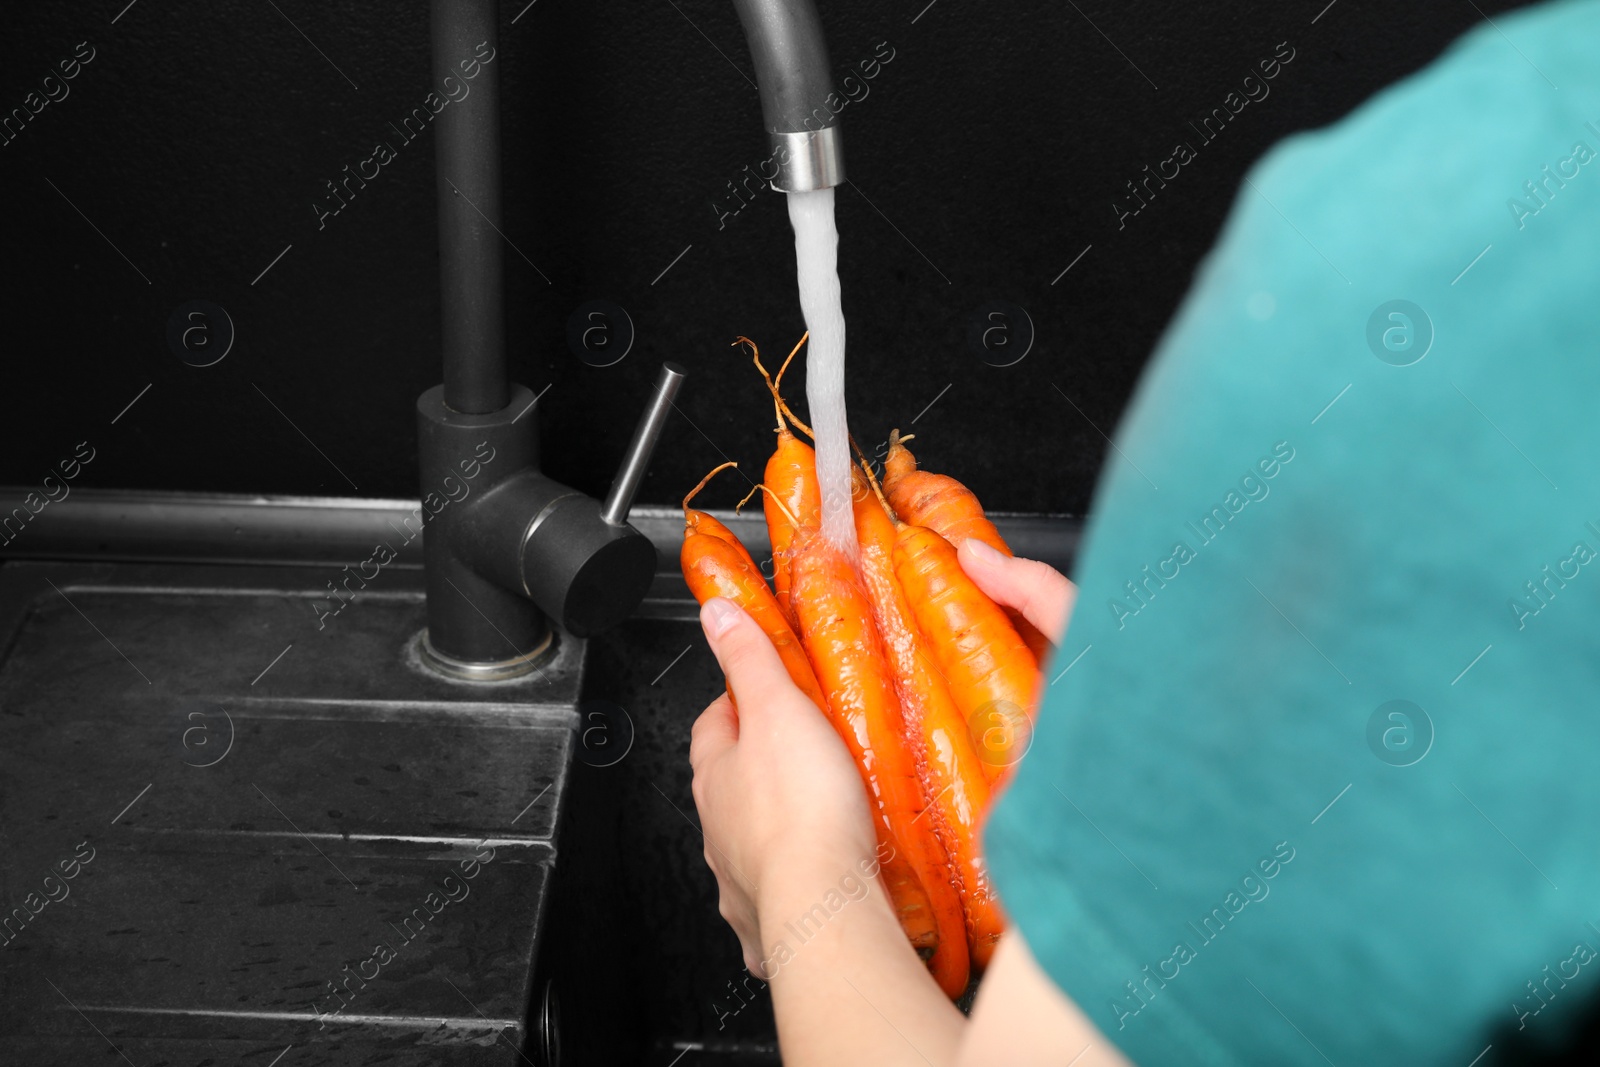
(986, 553)
(718, 616)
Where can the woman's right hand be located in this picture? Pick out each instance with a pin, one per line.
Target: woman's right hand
(781, 803)
(1041, 593)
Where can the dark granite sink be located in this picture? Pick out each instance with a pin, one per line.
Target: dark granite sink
(264, 834)
(235, 832)
(230, 834)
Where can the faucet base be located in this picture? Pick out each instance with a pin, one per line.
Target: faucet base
(481, 671)
(476, 614)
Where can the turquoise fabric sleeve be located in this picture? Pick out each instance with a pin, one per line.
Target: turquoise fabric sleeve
(1314, 777)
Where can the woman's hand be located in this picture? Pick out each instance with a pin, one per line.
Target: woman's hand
(780, 800)
(1041, 593)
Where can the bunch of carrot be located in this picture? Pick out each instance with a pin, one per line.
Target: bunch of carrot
(930, 683)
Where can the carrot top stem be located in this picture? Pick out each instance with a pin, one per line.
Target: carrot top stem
(778, 381)
(759, 486)
(776, 499)
(702, 485)
(774, 383)
(877, 489)
(739, 507)
(796, 419)
(741, 339)
(772, 386)
(755, 356)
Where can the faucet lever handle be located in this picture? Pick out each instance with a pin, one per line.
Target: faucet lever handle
(619, 501)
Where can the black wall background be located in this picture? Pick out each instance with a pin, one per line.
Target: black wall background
(985, 157)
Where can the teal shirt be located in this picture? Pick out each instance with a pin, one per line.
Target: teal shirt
(1317, 775)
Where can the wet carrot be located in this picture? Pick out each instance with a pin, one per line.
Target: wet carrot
(936, 501)
(951, 510)
(904, 887)
(791, 473)
(952, 775)
(992, 675)
(909, 899)
(695, 521)
(714, 566)
(847, 654)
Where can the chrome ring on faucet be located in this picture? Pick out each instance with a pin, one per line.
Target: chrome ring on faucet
(473, 671)
(810, 160)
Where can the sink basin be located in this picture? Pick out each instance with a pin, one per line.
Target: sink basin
(637, 967)
(642, 968)
(232, 833)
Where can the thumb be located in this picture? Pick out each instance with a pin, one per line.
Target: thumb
(753, 667)
(1041, 593)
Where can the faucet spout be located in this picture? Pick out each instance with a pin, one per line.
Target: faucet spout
(791, 60)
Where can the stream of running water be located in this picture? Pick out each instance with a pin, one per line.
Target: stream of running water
(816, 249)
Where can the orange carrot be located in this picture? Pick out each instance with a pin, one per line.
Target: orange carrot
(951, 510)
(936, 501)
(992, 675)
(952, 775)
(910, 900)
(791, 472)
(714, 566)
(846, 652)
(720, 566)
(695, 521)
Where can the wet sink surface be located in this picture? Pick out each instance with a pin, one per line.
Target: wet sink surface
(232, 833)
(267, 793)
